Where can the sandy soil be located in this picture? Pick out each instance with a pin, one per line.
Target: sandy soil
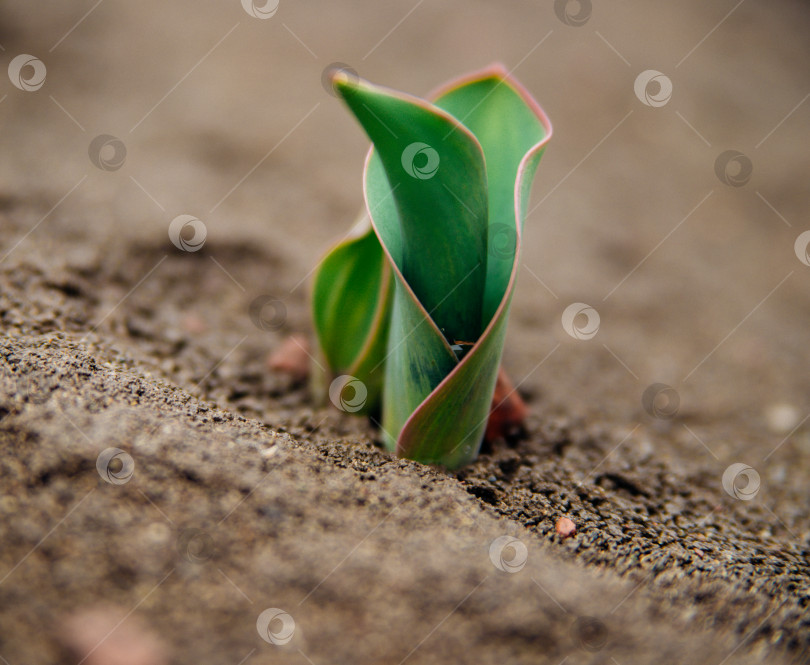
(243, 496)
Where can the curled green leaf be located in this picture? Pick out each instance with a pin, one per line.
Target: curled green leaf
(446, 186)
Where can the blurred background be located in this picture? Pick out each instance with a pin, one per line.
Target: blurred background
(223, 116)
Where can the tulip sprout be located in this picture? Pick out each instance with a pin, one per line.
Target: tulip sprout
(410, 311)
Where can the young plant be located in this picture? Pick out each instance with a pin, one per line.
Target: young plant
(410, 311)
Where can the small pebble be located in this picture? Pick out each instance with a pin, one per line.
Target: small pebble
(508, 410)
(292, 357)
(565, 527)
(782, 417)
(269, 452)
(193, 324)
(107, 635)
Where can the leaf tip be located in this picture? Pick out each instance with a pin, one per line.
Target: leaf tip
(341, 79)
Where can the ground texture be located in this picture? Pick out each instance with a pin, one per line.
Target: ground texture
(244, 496)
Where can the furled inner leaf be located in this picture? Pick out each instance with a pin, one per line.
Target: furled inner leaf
(507, 128)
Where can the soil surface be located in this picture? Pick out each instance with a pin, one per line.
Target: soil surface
(161, 488)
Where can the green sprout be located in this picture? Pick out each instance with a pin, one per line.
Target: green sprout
(410, 310)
